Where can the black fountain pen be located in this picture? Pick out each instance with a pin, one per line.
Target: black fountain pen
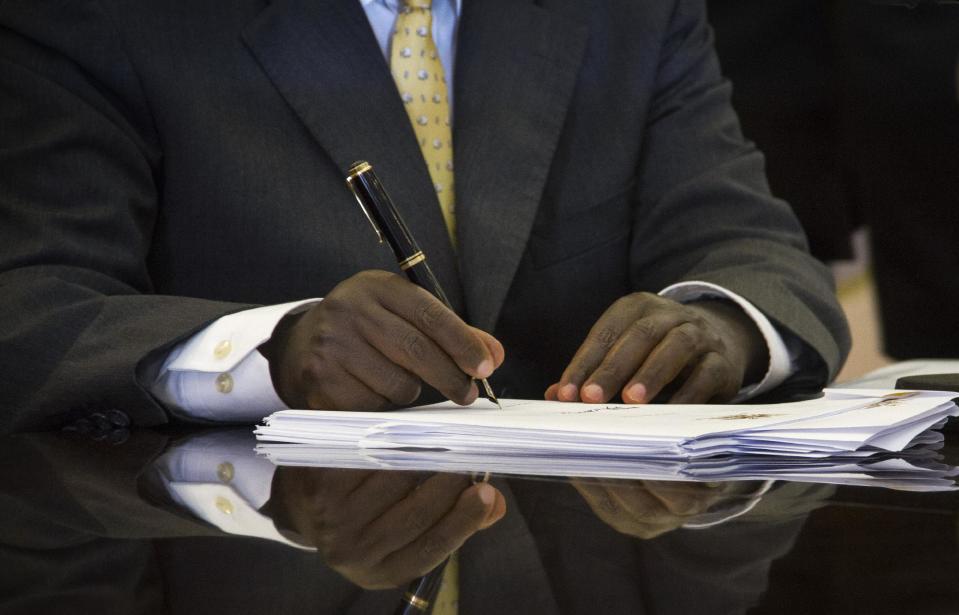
(389, 226)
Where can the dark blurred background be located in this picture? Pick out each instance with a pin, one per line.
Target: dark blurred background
(854, 103)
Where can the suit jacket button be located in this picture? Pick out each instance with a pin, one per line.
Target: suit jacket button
(118, 436)
(118, 418)
(83, 426)
(100, 422)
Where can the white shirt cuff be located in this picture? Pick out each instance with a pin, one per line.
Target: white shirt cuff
(730, 512)
(219, 479)
(218, 374)
(781, 364)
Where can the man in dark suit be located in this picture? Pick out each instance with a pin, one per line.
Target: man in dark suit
(168, 168)
(164, 166)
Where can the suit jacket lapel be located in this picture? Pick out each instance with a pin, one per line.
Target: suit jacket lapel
(516, 68)
(323, 58)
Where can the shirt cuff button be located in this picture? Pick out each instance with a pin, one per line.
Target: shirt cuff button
(224, 383)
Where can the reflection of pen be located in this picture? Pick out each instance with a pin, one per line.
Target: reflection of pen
(419, 595)
(389, 226)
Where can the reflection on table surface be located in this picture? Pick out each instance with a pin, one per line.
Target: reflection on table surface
(186, 522)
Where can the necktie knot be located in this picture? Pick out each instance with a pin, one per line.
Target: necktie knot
(417, 4)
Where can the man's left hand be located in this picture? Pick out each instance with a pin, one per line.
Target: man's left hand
(702, 351)
(647, 508)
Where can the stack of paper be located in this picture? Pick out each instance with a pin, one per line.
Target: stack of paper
(839, 422)
(874, 437)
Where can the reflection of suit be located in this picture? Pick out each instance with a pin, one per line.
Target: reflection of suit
(196, 151)
(78, 535)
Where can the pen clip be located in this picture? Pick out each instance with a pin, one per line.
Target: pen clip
(355, 171)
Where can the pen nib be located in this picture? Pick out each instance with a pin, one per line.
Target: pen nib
(489, 393)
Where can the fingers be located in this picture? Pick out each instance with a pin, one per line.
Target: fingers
(493, 345)
(552, 392)
(381, 529)
(710, 381)
(372, 342)
(644, 345)
(374, 496)
(410, 348)
(601, 338)
(646, 509)
(418, 332)
(417, 533)
(326, 501)
(681, 346)
(383, 377)
(628, 509)
(477, 507)
(439, 324)
(639, 345)
(684, 499)
(334, 387)
(414, 515)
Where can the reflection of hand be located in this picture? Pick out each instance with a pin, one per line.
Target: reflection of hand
(371, 342)
(646, 509)
(381, 529)
(643, 343)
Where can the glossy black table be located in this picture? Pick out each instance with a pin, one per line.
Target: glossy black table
(90, 527)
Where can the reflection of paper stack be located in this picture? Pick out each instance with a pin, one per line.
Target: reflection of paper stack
(840, 421)
(917, 469)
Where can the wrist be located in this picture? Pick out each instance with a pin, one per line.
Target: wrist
(274, 350)
(742, 337)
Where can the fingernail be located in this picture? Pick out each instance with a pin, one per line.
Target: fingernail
(567, 392)
(636, 393)
(486, 494)
(485, 369)
(593, 392)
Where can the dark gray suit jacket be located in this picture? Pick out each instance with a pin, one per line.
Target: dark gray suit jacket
(163, 163)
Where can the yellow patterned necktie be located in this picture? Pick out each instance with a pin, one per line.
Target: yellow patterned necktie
(448, 596)
(419, 77)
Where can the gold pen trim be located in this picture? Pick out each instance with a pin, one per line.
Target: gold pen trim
(410, 261)
(357, 169)
(416, 601)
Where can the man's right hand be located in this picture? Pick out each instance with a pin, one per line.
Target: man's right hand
(372, 342)
(381, 529)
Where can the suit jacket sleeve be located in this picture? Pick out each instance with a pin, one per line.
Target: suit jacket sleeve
(707, 213)
(78, 202)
